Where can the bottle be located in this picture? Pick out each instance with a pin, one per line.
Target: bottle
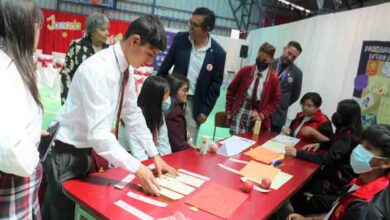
(204, 147)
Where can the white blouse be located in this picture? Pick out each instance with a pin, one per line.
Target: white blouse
(20, 122)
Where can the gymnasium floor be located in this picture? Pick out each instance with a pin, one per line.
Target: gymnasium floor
(52, 106)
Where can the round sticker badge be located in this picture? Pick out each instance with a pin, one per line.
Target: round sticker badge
(290, 79)
(209, 67)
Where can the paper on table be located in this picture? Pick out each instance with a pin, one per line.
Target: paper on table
(175, 185)
(132, 210)
(258, 171)
(194, 174)
(263, 155)
(274, 146)
(280, 180)
(234, 145)
(170, 194)
(187, 179)
(217, 199)
(146, 199)
(124, 181)
(287, 140)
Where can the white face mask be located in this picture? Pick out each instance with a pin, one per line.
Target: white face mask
(360, 159)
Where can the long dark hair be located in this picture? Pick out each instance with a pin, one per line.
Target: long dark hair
(176, 81)
(349, 116)
(150, 101)
(17, 34)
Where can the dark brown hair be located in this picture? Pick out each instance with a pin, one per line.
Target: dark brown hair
(268, 49)
(17, 33)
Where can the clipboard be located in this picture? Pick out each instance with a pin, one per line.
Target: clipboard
(47, 142)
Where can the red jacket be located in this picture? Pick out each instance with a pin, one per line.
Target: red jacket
(237, 92)
(318, 121)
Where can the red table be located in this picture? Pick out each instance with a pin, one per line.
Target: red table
(96, 195)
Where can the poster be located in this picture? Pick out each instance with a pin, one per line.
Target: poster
(372, 83)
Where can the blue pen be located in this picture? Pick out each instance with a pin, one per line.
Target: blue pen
(276, 163)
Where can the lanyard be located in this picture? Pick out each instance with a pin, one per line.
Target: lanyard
(284, 74)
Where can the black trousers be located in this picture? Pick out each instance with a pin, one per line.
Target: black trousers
(64, 162)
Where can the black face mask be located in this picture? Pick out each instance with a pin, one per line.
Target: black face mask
(261, 65)
(336, 120)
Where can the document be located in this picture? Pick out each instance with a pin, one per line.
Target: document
(287, 140)
(174, 185)
(234, 145)
(132, 210)
(275, 147)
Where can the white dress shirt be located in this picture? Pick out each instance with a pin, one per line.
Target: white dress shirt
(129, 142)
(20, 122)
(90, 109)
(260, 86)
(195, 64)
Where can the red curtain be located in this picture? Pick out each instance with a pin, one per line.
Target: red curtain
(60, 28)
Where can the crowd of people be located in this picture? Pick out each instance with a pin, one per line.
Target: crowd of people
(101, 106)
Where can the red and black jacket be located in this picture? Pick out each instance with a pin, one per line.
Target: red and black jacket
(318, 121)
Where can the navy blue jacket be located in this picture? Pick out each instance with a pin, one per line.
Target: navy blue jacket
(209, 82)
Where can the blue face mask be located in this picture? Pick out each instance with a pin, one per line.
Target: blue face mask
(166, 104)
(360, 159)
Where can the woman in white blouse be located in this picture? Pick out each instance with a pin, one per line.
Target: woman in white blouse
(153, 99)
(20, 112)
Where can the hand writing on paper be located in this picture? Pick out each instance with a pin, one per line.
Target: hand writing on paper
(311, 147)
(202, 118)
(146, 179)
(291, 151)
(161, 165)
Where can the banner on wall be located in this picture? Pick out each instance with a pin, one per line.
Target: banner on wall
(372, 83)
(60, 29)
(161, 56)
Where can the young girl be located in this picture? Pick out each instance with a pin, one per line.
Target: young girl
(176, 123)
(153, 100)
(368, 196)
(325, 187)
(311, 124)
(20, 112)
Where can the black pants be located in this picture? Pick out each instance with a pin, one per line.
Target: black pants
(276, 129)
(64, 162)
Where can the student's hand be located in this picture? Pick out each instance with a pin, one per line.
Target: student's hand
(148, 182)
(291, 151)
(258, 116)
(202, 118)
(311, 147)
(296, 216)
(309, 131)
(161, 165)
(286, 131)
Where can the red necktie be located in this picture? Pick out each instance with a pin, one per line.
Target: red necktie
(254, 93)
(123, 86)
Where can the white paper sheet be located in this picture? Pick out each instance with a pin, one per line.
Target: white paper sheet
(287, 140)
(275, 147)
(194, 174)
(174, 185)
(124, 181)
(146, 199)
(280, 180)
(234, 145)
(170, 194)
(132, 210)
(187, 179)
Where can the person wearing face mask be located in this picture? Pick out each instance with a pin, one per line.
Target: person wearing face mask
(318, 195)
(96, 26)
(290, 77)
(153, 100)
(368, 195)
(253, 94)
(311, 124)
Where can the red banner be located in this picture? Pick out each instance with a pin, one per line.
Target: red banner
(60, 28)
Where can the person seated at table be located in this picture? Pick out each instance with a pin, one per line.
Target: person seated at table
(311, 124)
(253, 94)
(324, 188)
(368, 196)
(175, 119)
(153, 100)
(96, 26)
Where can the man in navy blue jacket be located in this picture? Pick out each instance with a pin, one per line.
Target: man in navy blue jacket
(201, 59)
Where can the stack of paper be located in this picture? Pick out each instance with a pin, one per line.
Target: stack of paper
(258, 171)
(263, 155)
(234, 145)
(287, 140)
(275, 147)
(172, 184)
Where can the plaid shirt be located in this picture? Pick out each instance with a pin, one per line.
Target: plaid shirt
(19, 196)
(243, 121)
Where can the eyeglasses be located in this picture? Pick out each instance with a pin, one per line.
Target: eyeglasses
(194, 25)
